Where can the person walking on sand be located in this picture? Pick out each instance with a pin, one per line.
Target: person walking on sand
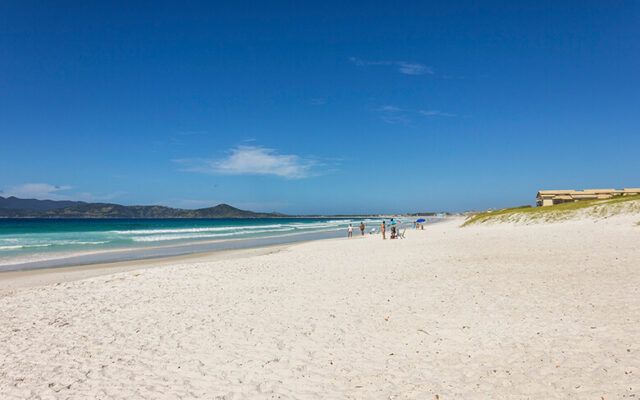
(350, 231)
(362, 228)
(383, 229)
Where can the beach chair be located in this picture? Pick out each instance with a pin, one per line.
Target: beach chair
(401, 234)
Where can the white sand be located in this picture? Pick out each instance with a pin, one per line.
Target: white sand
(495, 312)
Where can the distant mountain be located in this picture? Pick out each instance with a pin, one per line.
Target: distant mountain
(108, 210)
(227, 211)
(15, 203)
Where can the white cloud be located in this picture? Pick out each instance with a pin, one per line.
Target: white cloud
(390, 108)
(404, 67)
(436, 113)
(363, 63)
(395, 119)
(37, 190)
(413, 68)
(394, 115)
(254, 160)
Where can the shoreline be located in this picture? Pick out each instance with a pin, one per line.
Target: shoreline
(16, 267)
(22, 279)
(157, 252)
(12, 280)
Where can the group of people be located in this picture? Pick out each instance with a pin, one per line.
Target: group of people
(350, 230)
(383, 229)
(394, 230)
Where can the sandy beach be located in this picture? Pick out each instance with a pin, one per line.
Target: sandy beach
(503, 311)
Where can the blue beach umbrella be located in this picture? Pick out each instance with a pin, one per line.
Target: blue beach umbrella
(421, 220)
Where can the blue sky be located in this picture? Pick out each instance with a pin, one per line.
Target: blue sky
(318, 107)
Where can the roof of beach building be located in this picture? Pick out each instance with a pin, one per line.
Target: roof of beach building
(596, 191)
(556, 191)
(566, 192)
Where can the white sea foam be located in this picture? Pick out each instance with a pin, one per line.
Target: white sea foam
(159, 238)
(255, 228)
(10, 247)
(320, 225)
(25, 246)
(76, 242)
(192, 230)
(58, 243)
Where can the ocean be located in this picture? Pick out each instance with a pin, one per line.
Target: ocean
(44, 243)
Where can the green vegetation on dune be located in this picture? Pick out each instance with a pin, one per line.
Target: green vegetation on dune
(560, 212)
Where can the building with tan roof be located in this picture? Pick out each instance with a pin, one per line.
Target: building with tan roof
(551, 197)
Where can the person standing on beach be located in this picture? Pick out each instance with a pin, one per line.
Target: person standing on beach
(362, 228)
(350, 231)
(383, 228)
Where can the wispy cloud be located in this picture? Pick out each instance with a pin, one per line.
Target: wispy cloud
(436, 113)
(414, 68)
(363, 63)
(392, 114)
(37, 190)
(318, 101)
(404, 67)
(254, 160)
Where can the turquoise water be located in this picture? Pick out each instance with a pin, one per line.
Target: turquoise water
(35, 240)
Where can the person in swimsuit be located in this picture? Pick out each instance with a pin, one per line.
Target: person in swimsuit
(383, 228)
(350, 231)
(362, 228)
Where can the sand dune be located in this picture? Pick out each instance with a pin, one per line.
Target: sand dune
(481, 312)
